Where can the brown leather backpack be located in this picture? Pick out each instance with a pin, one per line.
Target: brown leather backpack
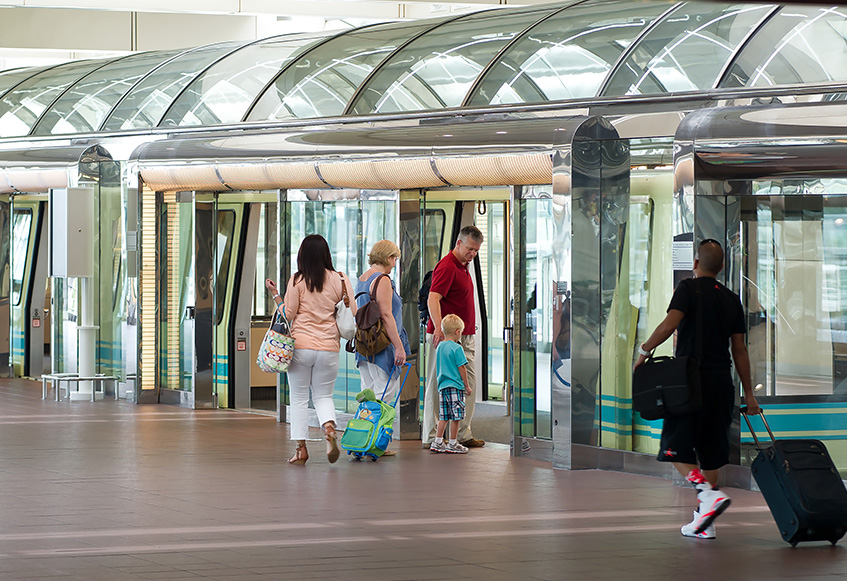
(371, 337)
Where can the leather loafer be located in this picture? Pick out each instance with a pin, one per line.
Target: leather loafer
(473, 443)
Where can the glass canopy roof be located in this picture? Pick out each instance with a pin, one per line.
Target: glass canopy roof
(552, 52)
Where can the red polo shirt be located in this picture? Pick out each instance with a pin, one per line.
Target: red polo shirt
(452, 280)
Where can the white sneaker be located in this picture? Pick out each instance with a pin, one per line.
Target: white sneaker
(456, 448)
(690, 530)
(713, 502)
(438, 448)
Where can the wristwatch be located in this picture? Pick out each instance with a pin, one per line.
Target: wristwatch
(641, 351)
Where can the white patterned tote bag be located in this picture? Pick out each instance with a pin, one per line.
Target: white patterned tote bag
(277, 349)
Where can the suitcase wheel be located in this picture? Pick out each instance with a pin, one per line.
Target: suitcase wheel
(373, 458)
(793, 543)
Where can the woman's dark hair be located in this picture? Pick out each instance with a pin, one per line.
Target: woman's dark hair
(313, 260)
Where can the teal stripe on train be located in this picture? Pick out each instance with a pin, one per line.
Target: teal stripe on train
(822, 421)
(616, 416)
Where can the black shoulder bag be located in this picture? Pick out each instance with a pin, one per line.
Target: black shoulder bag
(670, 386)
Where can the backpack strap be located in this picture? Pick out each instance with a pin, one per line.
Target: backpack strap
(375, 284)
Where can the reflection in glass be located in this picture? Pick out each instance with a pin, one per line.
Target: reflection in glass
(801, 44)
(493, 263)
(322, 81)
(686, 51)
(434, 223)
(567, 56)
(83, 107)
(794, 286)
(223, 255)
(176, 338)
(350, 227)
(9, 79)
(437, 69)
(21, 107)
(144, 105)
(21, 232)
(541, 301)
(224, 92)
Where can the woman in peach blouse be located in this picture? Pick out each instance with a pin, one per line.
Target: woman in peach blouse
(309, 303)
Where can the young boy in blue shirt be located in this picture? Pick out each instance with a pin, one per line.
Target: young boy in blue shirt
(450, 362)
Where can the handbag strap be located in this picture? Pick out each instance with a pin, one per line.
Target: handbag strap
(344, 291)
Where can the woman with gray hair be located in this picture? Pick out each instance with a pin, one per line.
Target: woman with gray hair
(375, 369)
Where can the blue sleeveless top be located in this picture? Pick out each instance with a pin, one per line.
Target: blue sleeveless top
(385, 358)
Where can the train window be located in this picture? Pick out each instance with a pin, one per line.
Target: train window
(143, 106)
(567, 56)
(224, 92)
(688, 50)
(434, 222)
(21, 107)
(322, 82)
(438, 69)
(223, 253)
(83, 107)
(801, 44)
(21, 232)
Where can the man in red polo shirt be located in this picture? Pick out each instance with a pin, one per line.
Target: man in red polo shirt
(452, 293)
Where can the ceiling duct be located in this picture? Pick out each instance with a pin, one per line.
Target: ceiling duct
(460, 151)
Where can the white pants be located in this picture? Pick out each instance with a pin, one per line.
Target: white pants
(430, 413)
(374, 377)
(315, 371)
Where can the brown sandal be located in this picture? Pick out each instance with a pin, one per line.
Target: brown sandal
(332, 451)
(301, 454)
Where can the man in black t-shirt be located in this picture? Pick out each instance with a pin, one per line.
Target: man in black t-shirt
(698, 443)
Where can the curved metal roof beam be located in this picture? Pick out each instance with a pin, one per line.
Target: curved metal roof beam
(38, 72)
(270, 84)
(204, 71)
(150, 72)
(68, 88)
(518, 37)
(631, 48)
(742, 45)
(355, 97)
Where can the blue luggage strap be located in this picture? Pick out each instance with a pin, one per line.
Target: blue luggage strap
(408, 367)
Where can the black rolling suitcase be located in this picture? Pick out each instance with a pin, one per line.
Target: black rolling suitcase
(803, 489)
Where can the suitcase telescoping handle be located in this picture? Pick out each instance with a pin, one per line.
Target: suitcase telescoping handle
(408, 367)
(752, 431)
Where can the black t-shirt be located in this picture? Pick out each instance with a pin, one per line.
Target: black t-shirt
(722, 317)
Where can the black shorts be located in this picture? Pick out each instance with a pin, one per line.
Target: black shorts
(702, 438)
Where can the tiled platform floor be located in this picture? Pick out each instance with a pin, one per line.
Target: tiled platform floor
(115, 491)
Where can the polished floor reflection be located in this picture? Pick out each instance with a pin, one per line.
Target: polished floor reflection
(113, 491)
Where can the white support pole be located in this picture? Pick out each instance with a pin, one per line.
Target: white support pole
(87, 364)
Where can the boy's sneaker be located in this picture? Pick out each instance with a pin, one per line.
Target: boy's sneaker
(690, 529)
(456, 448)
(438, 448)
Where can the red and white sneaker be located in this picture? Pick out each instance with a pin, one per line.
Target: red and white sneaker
(713, 502)
(690, 529)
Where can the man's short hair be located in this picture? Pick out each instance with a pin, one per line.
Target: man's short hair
(452, 323)
(471, 232)
(710, 255)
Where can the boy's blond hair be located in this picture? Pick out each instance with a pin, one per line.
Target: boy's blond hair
(452, 323)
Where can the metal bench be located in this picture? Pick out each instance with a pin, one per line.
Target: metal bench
(56, 380)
